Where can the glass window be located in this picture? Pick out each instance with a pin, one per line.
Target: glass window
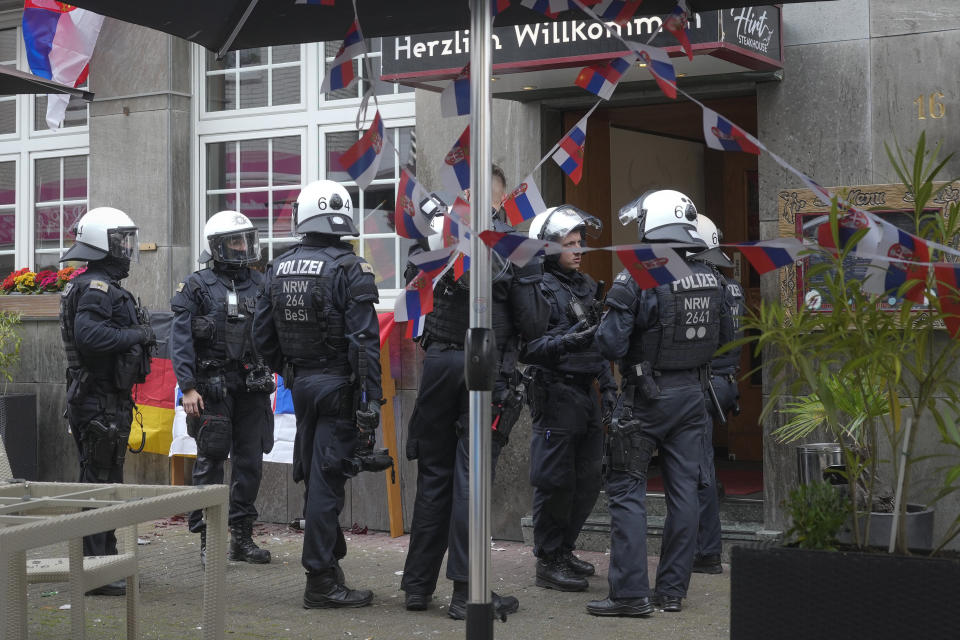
(8, 58)
(60, 198)
(253, 78)
(374, 55)
(378, 244)
(260, 178)
(8, 215)
(75, 115)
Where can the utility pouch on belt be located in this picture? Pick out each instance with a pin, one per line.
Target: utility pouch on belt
(128, 368)
(629, 451)
(213, 388)
(645, 384)
(214, 434)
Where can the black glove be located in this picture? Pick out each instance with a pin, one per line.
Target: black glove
(578, 340)
(147, 337)
(608, 402)
(367, 422)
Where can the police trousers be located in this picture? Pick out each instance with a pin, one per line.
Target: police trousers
(81, 410)
(708, 532)
(326, 435)
(438, 441)
(251, 419)
(566, 452)
(674, 424)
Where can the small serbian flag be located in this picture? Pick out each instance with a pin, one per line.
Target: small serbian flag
(456, 223)
(659, 65)
(455, 98)
(546, 7)
(570, 154)
(677, 24)
(414, 303)
(516, 247)
(341, 74)
(619, 11)
(602, 79)
(903, 251)
(461, 265)
(362, 160)
(455, 172)
(722, 135)
(768, 255)
(410, 222)
(652, 265)
(432, 262)
(848, 224)
(524, 202)
(948, 292)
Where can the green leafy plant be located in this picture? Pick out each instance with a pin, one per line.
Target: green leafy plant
(10, 341)
(817, 513)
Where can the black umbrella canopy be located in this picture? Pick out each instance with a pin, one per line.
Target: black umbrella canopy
(13, 82)
(211, 23)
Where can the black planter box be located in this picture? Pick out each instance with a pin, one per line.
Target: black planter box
(784, 593)
(18, 428)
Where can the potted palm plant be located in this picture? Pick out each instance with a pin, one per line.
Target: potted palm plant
(872, 379)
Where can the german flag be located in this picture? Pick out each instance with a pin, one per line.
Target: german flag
(156, 397)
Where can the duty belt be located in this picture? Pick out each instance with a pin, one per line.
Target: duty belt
(321, 371)
(573, 379)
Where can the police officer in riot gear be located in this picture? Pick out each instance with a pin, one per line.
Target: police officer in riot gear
(663, 340)
(107, 338)
(568, 413)
(723, 376)
(226, 386)
(316, 323)
(439, 427)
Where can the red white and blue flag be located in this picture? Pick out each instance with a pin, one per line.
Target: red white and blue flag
(722, 135)
(652, 265)
(341, 74)
(415, 303)
(903, 252)
(524, 202)
(948, 292)
(325, 3)
(408, 219)
(516, 247)
(455, 98)
(602, 79)
(499, 6)
(549, 8)
(659, 65)
(362, 160)
(455, 172)
(433, 263)
(677, 23)
(767, 255)
(619, 11)
(570, 154)
(59, 39)
(848, 224)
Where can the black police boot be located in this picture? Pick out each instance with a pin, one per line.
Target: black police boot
(417, 601)
(502, 605)
(242, 546)
(324, 592)
(578, 566)
(553, 572)
(203, 548)
(626, 607)
(118, 588)
(672, 604)
(709, 563)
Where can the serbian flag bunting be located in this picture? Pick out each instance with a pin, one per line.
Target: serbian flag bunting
(652, 265)
(570, 154)
(524, 202)
(410, 222)
(722, 135)
(848, 224)
(677, 23)
(362, 160)
(602, 79)
(461, 265)
(432, 262)
(659, 65)
(516, 247)
(414, 303)
(455, 172)
(948, 292)
(341, 74)
(59, 40)
(619, 11)
(546, 7)
(902, 251)
(768, 255)
(455, 98)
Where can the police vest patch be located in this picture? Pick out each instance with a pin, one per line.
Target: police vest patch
(67, 289)
(179, 287)
(366, 267)
(99, 285)
(299, 267)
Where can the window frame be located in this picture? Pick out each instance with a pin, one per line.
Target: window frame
(31, 230)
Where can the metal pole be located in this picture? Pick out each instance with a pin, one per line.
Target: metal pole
(479, 610)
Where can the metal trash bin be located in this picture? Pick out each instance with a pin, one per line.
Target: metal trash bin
(814, 459)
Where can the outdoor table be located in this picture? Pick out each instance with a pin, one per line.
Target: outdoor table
(37, 514)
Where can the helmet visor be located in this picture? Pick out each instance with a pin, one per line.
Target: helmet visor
(238, 248)
(567, 218)
(124, 243)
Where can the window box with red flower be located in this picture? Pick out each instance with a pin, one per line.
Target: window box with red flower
(34, 294)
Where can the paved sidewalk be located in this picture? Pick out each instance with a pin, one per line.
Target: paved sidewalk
(265, 601)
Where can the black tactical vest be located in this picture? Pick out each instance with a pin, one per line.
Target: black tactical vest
(222, 330)
(687, 331)
(450, 318)
(729, 361)
(309, 325)
(559, 291)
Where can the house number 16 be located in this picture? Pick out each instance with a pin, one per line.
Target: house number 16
(934, 105)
